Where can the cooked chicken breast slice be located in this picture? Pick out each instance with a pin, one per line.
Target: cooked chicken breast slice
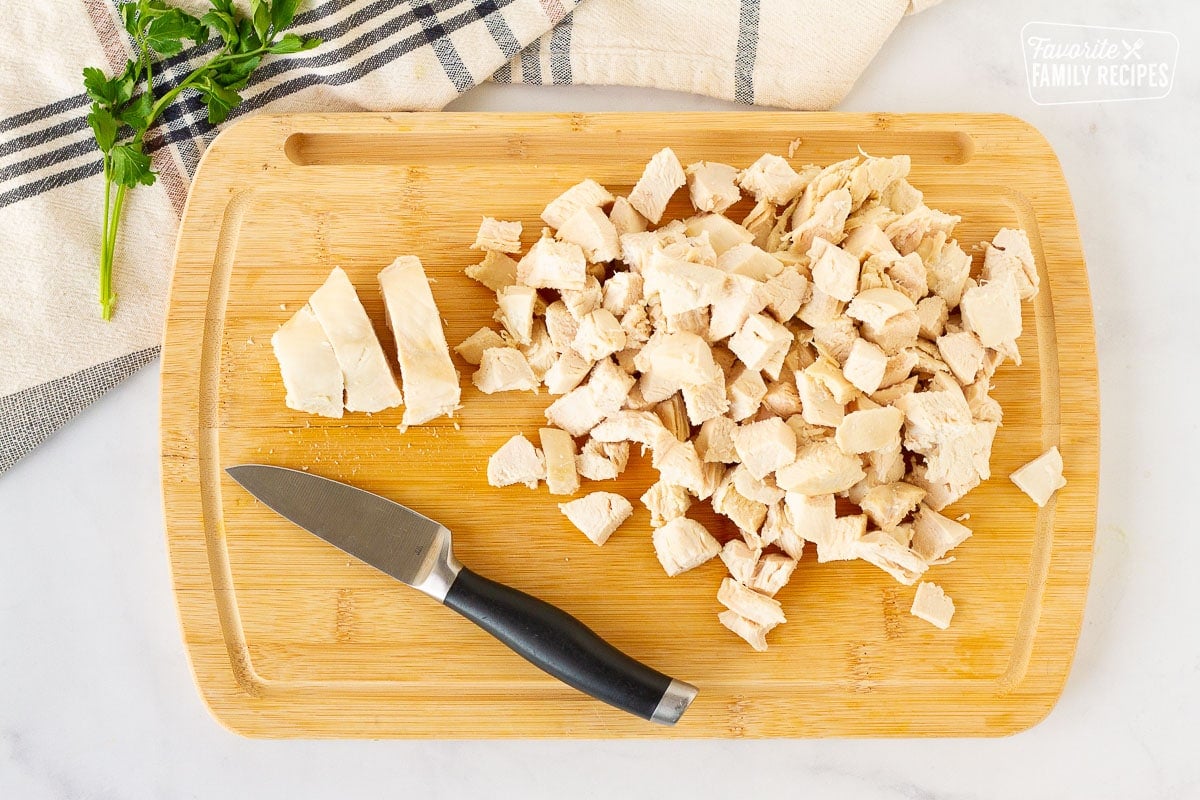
(559, 450)
(740, 559)
(567, 372)
(598, 515)
(599, 335)
(714, 441)
(754, 634)
(748, 515)
(661, 177)
(820, 468)
(933, 313)
(370, 385)
(750, 604)
(932, 605)
(723, 233)
(495, 234)
(683, 544)
(772, 573)
(517, 461)
(1042, 477)
(310, 370)
(992, 311)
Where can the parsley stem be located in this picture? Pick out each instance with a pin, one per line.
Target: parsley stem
(106, 255)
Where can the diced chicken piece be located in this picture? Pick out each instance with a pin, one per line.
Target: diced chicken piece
(902, 197)
(876, 306)
(581, 195)
(900, 366)
(705, 401)
(504, 369)
(740, 559)
(886, 465)
(766, 446)
(907, 232)
(1009, 254)
(746, 390)
(761, 222)
(681, 285)
(514, 311)
(599, 335)
(963, 353)
(785, 294)
(539, 352)
(473, 346)
(593, 232)
(662, 176)
(874, 176)
(723, 234)
(746, 514)
(517, 461)
(1041, 477)
(642, 427)
(839, 540)
(828, 221)
(665, 502)
(782, 399)
(754, 634)
(751, 261)
(864, 431)
(903, 534)
(683, 544)
(938, 494)
(567, 372)
(947, 268)
(498, 235)
(820, 468)
(932, 605)
(712, 186)
(772, 573)
(678, 463)
(820, 309)
(865, 366)
(714, 442)
(550, 264)
(694, 321)
(762, 490)
(771, 178)
(561, 325)
(819, 407)
(834, 271)
(932, 313)
(581, 302)
(897, 333)
(674, 417)
(582, 408)
(882, 550)
(370, 385)
(935, 535)
(780, 530)
(625, 218)
(636, 325)
(827, 372)
(889, 395)
(495, 271)
(598, 514)
(750, 604)
(992, 311)
(836, 338)
(908, 276)
(602, 461)
(739, 297)
(310, 370)
(561, 475)
(887, 505)
(760, 342)
(621, 291)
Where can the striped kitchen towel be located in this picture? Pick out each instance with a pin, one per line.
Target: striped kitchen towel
(58, 356)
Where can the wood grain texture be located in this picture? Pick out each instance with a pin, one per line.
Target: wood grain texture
(290, 637)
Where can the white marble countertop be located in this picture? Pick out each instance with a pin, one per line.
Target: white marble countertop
(96, 697)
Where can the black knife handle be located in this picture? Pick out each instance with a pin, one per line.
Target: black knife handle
(554, 641)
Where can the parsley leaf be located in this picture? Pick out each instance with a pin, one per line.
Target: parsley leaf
(130, 166)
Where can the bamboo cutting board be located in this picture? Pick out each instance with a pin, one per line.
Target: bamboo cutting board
(290, 637)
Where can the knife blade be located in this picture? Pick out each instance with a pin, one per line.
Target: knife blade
(416, 550)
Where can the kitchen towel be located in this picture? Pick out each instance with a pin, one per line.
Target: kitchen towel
(57, 355)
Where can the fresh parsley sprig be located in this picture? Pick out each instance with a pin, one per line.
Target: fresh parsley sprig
(125, 106)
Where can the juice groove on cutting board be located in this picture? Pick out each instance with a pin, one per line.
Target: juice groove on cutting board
(290, 637)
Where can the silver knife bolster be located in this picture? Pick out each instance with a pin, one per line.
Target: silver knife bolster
(442, 572)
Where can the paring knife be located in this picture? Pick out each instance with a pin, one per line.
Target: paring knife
(416, 550)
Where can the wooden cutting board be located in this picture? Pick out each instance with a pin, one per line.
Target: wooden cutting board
(290, 637)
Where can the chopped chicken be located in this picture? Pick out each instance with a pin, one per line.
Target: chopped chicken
(779, 529)
(766, 446)
(834, 271)
(865, 366)
(785, 294)
(593, 232)
(705, 401)
(935, 535)
(599, 335)
(932, 313)
(678, 463)
(621, 291)
(1041, 477)
(932, 605)
(665, 502)
(681, 286)
(625, 218)
(310, 370)
(754, 634)
(819, 407)
(550, 264)
(517, 461)
(888, 504)
(504, 369)
(947, 268)
(828, 221)
(662, 176)
(723, 234)
(992, 311)
(874, 429)
(495, 234)
(559, 450)
(515, 305)
(582, 408)
(712, 186)
(882, 550)
(762, 490)
(540, 351)
(581, 302)
(771, 178)
(598, 514)
(1010, 254)
(746, 390)
(602, 461)
(567, 372)
(740, 559)
(750, 604)
(581, 195)
(772, 573)
(683, 544)
(760, 343)
(674, 418)
(495, 271)
(748, 515)
(838, 541)
(642, 427)
(749, 260)
(370, 385)
(963, 354)
(820, 468)
(714, 442)
(473, 346)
